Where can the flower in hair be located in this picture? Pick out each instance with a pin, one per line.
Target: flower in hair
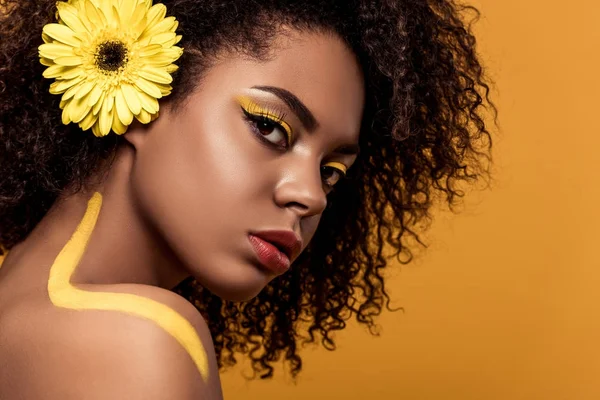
(111, 60)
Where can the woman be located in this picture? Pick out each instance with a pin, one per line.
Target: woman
(190, 179)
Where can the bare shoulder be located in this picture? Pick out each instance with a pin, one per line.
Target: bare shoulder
(106, 354)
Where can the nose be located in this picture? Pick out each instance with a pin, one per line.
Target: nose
(301, 189)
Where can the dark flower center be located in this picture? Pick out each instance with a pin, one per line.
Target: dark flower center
(111, 55)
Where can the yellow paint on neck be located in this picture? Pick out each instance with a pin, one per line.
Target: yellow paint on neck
(3, 256)
(63, 294)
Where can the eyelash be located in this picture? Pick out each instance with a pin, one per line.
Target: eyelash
(268, 117)
(342, 176)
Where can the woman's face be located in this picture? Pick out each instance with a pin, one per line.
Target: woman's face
(254, 149)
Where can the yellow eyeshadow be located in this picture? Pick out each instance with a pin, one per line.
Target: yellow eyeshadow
(255, 109)
(337, 165)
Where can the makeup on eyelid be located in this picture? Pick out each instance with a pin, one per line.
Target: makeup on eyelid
(253, 108)
(337, 165)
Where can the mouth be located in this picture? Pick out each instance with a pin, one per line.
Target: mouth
(286, 242)
(275, 249)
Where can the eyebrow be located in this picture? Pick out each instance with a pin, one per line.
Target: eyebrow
(349, 149)
(306, 117)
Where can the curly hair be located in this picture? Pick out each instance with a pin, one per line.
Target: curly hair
(424, 133)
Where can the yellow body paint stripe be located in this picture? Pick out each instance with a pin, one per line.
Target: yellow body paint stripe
(63, 294)
(3, 257)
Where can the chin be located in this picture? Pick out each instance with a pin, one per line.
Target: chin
(238, 296)
(236, 282)
(237, 291)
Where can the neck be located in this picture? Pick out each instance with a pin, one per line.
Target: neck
(123, 248)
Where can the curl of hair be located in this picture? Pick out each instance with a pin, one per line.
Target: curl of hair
(423, 134)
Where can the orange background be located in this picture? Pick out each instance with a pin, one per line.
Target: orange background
(505, 303)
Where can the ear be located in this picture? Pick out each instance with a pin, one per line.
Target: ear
(138, 133)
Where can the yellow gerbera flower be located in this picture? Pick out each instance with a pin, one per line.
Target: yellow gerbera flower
(112, 61)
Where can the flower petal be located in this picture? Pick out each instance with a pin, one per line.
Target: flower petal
(72, 73)
(155, 75)
(46, 38)
(125, 115)
(172, 42)
(144, 117)
(55, 50)
(85, 88)
(159, 61)
(105, 119)
(68, 14)
(171, 68)
(156, 13)
(99, 103)
(96, 131)
(95, 16)
(72, 91)
(149, 50)
(71, 61)
(139, 27)
(89, 26)
(61, 86)
(110, 99)
(138, 15)
(88, 121)
(106, 8)
(165, 90)
(66, 119)
(113, 17)
(54, 71)
(95, 95)
(126, 12)
(163, 26)
(161, 38)
(117, 125)
(149, 103)
(62, 33)
(131, 98)
(46, 62)
(78, 109)
(148, 87)
(171, 53)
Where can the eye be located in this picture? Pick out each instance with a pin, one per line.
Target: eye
(332, 173)
(268, 128)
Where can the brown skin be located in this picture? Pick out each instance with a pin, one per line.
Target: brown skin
(186, 190)
(181, 198)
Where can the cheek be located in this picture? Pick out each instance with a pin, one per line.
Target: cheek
(204, 160)
(199, 178)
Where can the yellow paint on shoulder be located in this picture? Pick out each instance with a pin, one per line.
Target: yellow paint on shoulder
(63, 294)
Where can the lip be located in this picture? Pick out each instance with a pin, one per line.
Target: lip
(286, 241)
(275, 249)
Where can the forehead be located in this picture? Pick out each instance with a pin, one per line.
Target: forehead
(317, 67)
